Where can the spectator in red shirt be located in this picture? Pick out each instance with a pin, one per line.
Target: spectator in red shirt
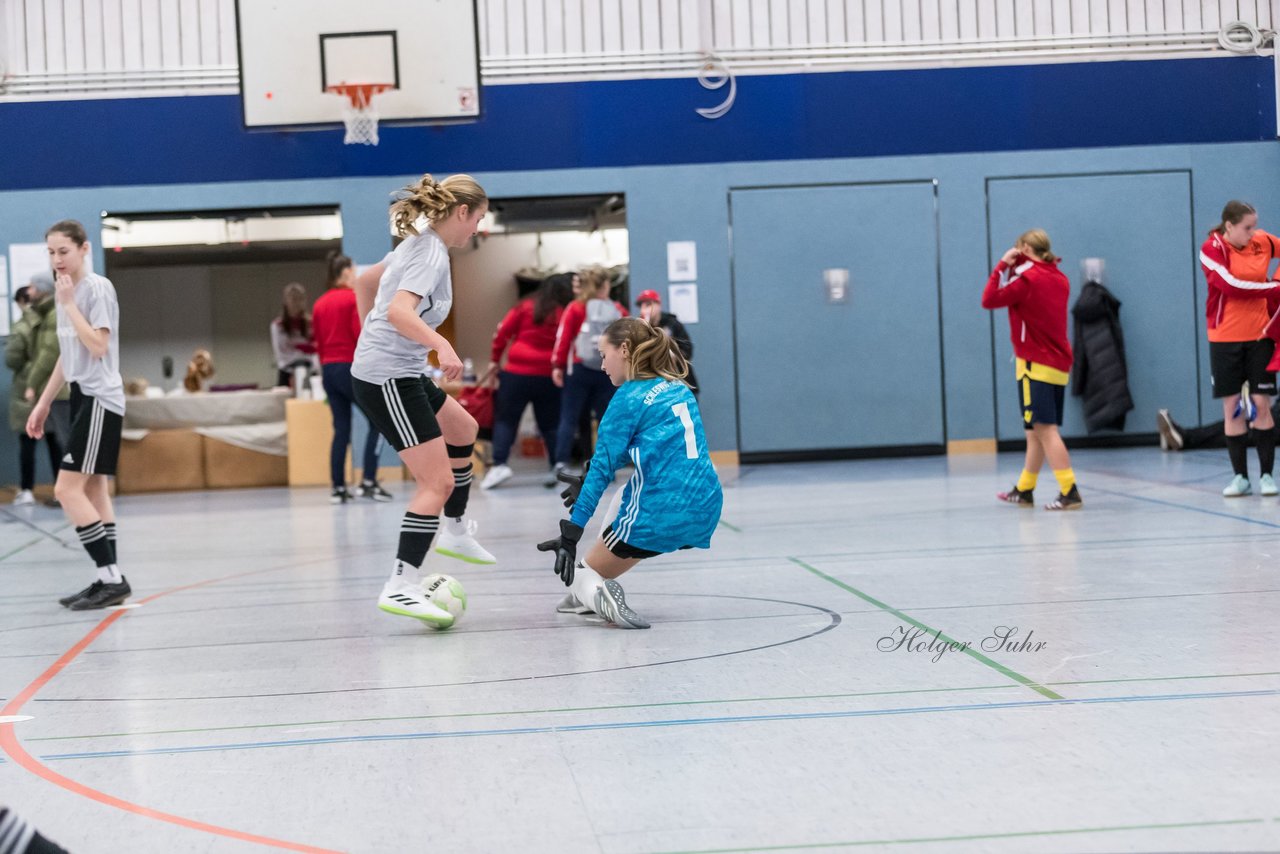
(530, 330)
(336, 326)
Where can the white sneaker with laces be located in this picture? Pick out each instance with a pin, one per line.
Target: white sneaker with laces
(496, 476)
(570, 605)
(408, 600)
(23, 498)
(1267, 485)
(1238, 487)
(457, 539)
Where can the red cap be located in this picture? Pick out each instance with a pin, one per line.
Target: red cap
(648, 296)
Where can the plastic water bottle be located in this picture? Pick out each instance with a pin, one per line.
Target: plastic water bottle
(468, 371)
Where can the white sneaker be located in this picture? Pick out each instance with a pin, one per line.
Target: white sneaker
(570, 605)
(408, 600)
(1267, 485)
(611, 604)
(23, 498)
(496, 476)
(457, 539)
(1238, 487)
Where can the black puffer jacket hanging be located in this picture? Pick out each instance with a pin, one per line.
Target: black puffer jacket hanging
(1100, 374)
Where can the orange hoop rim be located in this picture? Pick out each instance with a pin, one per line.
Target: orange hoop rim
(360, 94)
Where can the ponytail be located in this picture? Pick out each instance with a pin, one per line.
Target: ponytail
(1038, 241)
(338, 264)
(651, 351)
(435, 200)
(1232, 213)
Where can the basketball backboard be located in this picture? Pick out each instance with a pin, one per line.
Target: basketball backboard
(292, 52)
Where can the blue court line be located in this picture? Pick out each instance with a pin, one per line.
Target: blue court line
(679, 722)
(1191, 507)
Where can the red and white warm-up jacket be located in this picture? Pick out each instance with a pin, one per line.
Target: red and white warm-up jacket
(1035, 292)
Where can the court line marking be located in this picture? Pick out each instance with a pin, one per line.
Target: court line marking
(1180, 506)
(967, 650)
(11, 745)
(976, 836)
(629, 706)
(652, 724)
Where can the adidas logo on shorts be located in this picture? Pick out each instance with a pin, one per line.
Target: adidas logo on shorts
(70, 460)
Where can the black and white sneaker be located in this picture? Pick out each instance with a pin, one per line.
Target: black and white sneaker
(103, 595)
(66, 601)
(1170, 432)
(340, 495)
(372, 489)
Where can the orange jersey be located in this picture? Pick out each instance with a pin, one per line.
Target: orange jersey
(1241, 317)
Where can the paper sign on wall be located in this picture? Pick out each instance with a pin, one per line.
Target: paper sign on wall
(683, 302)
(682, 261)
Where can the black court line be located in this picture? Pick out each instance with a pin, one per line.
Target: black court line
(834, 620)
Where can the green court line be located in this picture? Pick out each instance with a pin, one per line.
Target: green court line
(733, 528)
(22, 547)
(972, 653)
(713, 702)
(977, 836)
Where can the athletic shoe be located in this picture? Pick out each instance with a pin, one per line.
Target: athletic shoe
(611, 603)
(340, 495)
(1067, 500)
(408, 600)
(570, 605)
(1267, 485)
(496, 476)
(102, 595)
(1170, 433)
(1237, 488)
(66, 601)
(23, 498)
(1021, 497)
(372, 489)
(457, 539)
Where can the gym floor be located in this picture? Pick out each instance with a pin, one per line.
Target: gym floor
(1119, 691)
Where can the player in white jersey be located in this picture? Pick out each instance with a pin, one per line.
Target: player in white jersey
(89, 338)
(431, 431)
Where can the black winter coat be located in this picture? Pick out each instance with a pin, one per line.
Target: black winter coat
(1099, 374)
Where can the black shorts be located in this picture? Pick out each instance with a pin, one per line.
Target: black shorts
(402, 409)
(621, 549)
(94, 446)
(1041, 402)
(1233, 363)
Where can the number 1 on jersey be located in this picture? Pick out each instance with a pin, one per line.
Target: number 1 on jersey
(681, 411)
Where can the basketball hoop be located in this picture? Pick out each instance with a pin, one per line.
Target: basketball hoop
(361, 118)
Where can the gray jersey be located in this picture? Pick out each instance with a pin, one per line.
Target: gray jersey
(98, 378)
(419, 265)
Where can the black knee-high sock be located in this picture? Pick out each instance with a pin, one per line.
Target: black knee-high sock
(456, 505)
(1266, 448)
(95, 542)
(110, 528)
(1237, 448)
(416, 534)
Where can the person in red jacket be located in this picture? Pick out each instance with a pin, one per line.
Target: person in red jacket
(530, 331)
(576, 361)
(1236, 258)
(1028, 282)
(336, 326)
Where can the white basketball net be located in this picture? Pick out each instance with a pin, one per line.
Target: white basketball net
(359, 115)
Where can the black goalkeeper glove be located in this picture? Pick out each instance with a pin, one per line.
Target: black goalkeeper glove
(574, 481)
(566, 548)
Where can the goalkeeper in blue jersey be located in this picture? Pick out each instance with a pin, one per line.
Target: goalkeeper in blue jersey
(672, 500)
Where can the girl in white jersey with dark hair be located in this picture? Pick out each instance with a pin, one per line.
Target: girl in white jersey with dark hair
(431, 431)
(89, 338)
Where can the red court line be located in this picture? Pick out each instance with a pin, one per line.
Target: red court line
(10, 744)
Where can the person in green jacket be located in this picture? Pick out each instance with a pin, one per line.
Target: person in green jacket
(31, 352)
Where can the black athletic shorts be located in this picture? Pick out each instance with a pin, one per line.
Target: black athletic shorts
(1233, 363)
(402, 409)
(1041, 402)
(94, 447)
(621, 549)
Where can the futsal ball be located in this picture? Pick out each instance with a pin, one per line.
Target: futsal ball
(446, 592)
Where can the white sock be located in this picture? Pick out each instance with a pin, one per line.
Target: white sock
(110, 574)
(457, 527)
(585, 583)
(403, 573)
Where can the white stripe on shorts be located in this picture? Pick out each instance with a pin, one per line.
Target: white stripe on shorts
(395, 406)
(95, 439)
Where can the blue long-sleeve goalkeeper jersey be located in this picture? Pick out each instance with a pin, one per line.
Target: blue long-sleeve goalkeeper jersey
(673, 498)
